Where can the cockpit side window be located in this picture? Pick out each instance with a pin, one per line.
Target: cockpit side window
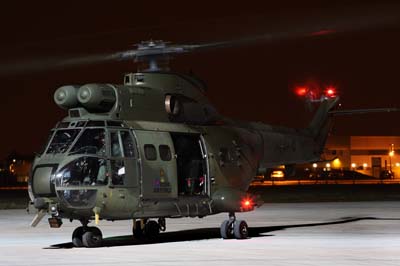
(92, 141)
(115, 146)
(62, 140)
(128, 144)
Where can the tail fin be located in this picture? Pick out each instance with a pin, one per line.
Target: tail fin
(321, 123)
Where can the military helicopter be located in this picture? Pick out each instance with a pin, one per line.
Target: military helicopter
(155, 148)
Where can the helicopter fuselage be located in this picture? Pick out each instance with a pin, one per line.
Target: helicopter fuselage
(156, 148)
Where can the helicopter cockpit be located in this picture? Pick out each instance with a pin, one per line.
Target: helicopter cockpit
(85, 155)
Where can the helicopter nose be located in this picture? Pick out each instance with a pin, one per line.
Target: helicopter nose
(42, 185)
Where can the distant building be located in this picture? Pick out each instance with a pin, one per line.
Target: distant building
(367, 154)
(14, 170)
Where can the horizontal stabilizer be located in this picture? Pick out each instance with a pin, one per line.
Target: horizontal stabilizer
(364, 111)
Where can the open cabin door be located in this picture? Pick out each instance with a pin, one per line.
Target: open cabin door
(159, 173)
(192, 164)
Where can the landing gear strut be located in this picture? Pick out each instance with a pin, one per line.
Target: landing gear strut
(87, 236)
(234, 228)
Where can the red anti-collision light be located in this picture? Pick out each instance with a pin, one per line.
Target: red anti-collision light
(330, 92)
(247, 204)
(301, 91)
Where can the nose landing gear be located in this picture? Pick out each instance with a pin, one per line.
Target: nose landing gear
(233, 228)
(87, 236)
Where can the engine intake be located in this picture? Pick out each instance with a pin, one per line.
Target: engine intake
(66, 96)
(97, 97)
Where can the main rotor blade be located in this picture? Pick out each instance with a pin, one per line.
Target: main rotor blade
(373, 18)
(59, 63)
(333, 24)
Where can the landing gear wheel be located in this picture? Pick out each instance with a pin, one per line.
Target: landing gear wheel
(226, 229)
(92, 237)
(137, 230)
(77, 237)
(240, 229)
(152, 229)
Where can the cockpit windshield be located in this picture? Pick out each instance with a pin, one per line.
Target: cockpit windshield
(92, 141)
(85, 171)
(62, 140)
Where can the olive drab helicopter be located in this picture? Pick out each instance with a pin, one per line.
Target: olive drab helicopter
(155, 148)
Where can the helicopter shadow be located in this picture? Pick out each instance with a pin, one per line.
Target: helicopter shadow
(209, 233)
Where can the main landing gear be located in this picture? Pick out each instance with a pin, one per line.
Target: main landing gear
(233, 228)
(148, 229)
(90, 236)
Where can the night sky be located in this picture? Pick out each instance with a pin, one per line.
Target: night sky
(251, 82)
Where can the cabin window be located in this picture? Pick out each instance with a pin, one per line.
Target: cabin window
(150, 152)
(165, 152)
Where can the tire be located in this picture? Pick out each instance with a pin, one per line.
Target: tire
(241, 230)
(226, 230)
(137, 230)
(151, 229)
(77, 237)
(92, 237)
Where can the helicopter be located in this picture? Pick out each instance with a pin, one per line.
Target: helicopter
(155, 148)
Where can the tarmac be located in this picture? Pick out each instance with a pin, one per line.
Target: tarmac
(340, 233)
